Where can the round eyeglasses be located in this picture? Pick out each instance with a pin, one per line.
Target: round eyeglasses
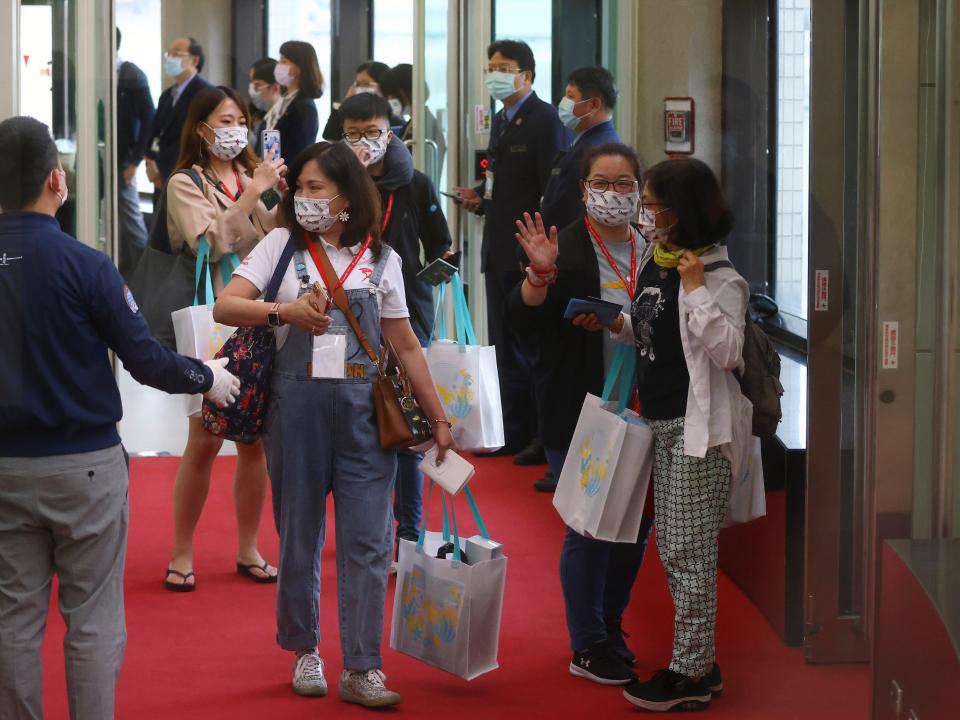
(621, 186)
(371, 134)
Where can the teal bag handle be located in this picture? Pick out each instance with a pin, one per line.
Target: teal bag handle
(446, 522)
(439, 317)
(201, 268)
(457, 556)
(228, 263)
(623, 366)
(471, 501)
(465, 332)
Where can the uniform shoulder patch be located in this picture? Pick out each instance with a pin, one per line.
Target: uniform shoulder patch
(131, 303)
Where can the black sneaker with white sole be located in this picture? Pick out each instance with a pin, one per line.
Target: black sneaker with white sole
(601, 664)
(714, 681)
(617, 636)
(668, 691)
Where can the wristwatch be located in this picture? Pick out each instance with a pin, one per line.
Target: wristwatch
(273, 316)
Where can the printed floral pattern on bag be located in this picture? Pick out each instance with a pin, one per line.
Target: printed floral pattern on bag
(593, 467)
(457, 399)
(431, 619)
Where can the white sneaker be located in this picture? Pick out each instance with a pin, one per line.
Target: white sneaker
(366, 688)
(308, 677)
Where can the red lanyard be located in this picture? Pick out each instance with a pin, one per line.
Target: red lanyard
(226, 191)
(346, 273)
(632, 285)
(387, 214)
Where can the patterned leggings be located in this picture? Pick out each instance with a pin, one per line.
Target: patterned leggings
(690, 501)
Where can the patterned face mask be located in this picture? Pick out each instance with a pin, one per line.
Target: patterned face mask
(377, 148)
(228, 142)
(649, 229)
(313, 214)
(611, 208)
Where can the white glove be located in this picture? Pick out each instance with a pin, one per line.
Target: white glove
(226, 385)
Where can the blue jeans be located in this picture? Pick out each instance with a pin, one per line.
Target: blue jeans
(596, 575)
(408, 495)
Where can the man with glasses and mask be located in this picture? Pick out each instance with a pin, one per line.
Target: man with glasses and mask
(586, 110)
(183, 63)
(524, 140)
(412, 219)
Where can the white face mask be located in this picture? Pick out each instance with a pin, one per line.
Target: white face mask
(172, 65)
(357, 89)
(377, 148)
(608, 207)
(282, 74)
(567, 117)
(500, 85)
(649, 229)
(313, 214)
(257, 99)
(395, 107)
(228, 142)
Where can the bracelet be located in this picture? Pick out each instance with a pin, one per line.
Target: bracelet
(541, 279)
(441, 422)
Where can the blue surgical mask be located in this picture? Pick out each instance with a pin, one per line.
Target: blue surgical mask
(500, 85)
(172, 65)
(565, 110)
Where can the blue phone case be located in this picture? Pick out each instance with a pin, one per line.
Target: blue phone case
(606, 312)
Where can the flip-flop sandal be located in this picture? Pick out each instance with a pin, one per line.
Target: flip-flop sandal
(180, 587)
(247, 572)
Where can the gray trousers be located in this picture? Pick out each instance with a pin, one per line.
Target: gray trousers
(65, 515)
(132, 235)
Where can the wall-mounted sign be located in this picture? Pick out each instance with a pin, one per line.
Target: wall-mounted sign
(678, 125)
(891, 345)
(821, 300)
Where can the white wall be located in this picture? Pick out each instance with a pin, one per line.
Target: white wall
(9, 58)
(209, 23)
(679, 53)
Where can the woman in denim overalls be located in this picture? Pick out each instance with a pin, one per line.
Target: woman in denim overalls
(321, 427)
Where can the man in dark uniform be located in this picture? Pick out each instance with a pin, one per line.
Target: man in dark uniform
(63, 476)
(183, 62)
(587, 111)
(135, 113)
(524, 140)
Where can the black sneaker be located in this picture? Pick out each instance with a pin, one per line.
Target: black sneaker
(714, 681)
(668, 690)
(548, 483)
(616, 636)
(601, 664)
(532, 454)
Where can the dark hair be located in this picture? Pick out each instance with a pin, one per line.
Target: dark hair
(618, 149)
(690, 189)
(595, 82)
(196, 49)
(516, 50)
(342, 167)
(365, 106)
(192, 150)
(27, 155)
(398, 83)
(118, 38)
(262, 70)
(304, 57)
(374, 69)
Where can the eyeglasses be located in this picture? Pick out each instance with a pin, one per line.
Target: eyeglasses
(621, 186)
(356, 136)
(504, 69)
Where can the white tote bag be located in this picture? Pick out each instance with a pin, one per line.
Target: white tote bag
(748, 497)
(465, 376)
(445, 612)
(606, 475)
(198, 335)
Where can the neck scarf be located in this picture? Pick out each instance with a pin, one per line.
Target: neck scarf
(671, 258)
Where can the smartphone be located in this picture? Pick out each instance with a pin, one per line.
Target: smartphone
(270, 142)
(437, 272)
(456, 198)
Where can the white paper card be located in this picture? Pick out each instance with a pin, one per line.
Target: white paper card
(329, 356)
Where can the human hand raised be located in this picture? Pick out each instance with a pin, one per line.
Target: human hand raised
(268, 174)
(690, 268)
(469, 198)
(539, 245)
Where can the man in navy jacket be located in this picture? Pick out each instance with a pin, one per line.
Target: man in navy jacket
(135, 114)
(63, 476)
(524, 140)
(183, 62)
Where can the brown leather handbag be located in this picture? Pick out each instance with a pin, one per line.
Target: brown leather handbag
(400, 420)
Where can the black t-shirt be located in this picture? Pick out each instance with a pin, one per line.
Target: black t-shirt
(661, 367)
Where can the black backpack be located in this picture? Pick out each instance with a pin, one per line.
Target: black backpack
(760, 379)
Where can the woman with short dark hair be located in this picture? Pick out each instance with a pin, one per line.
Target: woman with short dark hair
(687, 323)
(321, 426)
(295, 114)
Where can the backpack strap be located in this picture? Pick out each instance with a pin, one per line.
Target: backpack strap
(273, 287)
(159, 237)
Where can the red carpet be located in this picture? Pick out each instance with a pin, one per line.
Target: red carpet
(211, 654)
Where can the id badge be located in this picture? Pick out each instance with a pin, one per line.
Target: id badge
(488, 186)
(329, 356)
